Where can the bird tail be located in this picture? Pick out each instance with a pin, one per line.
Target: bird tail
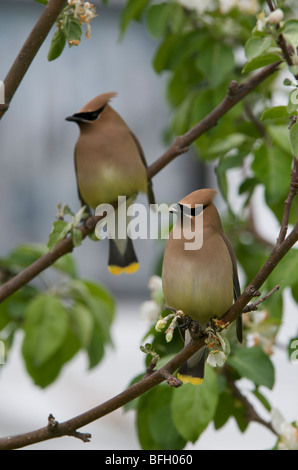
(125, 261)
(193, 370)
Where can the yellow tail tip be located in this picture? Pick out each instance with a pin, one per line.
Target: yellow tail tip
(188, 379)
(132, 268)
(116, 270)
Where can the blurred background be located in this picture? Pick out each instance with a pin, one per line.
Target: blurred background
(37, 172)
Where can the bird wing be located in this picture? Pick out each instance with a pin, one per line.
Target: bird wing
(151, 197)
(236, 285)
(83, 203)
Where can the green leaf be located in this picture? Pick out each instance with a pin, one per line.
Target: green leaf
(43, 2)
(176, 49)
(132, 11)
(294, 138)
(194, 406)
(45, 374)
(222, 146)
(214, 57)
(290, 32)
(228, 407)
(13, 308)
(261, 61)
(23, 256)
(81, 323)
(76, 236)
(155, 426)
(157, 19)
(262, 399)
(292, 107)
(276, 112)
(253, 364)
(45, 326)
(286, 271)
(273, 167)
(226, 163)
(59, 231)
(101, 306)
(72, 29)
(66, 264)
(280, 137)
(57, 45)
(181, 120)
(165, 53)
(256, 46)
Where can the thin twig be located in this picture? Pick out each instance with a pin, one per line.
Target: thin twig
(254, 306)
(258, 124)
(250, 414)
(292, 193)
(29, 50)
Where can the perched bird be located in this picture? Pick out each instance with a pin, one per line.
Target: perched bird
(109, 162)
(203, 282)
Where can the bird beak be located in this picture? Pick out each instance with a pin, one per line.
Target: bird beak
(73, 119)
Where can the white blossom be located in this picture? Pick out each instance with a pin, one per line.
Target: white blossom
(275, 16)
(288, 433)
(155, 284)
(216, 358)
(199, 5)
(246, 6)
(149, 310)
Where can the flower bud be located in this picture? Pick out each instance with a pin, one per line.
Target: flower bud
(275, 16)
(160, 325)
(169, 336)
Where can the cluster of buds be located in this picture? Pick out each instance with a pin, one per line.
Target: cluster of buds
(83, 12)
(162, 323)
(274, 18)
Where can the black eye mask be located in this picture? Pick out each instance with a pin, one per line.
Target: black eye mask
(193, 211)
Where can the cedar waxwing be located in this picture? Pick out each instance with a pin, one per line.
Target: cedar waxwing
(202, 282)
(109, 162)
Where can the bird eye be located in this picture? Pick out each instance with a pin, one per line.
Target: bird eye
(192, 211)
(89, 116)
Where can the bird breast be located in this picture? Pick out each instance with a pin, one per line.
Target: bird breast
(199, 282)
(108, 166)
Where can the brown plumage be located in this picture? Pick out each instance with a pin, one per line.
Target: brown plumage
(109, 162)
(204, 282)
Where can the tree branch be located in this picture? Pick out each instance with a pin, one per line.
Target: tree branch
(254, 305)
(235, 94)
(292, 193)
(29, 50)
